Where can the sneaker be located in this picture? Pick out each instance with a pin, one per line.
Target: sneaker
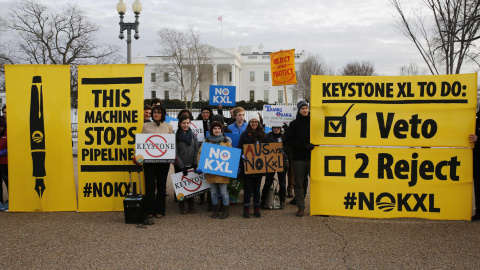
(1, 206)
(4, 207)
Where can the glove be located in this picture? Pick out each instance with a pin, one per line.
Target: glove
(285, 126)
(194, 166)
(243, 157)
(310, 146)
(198, 171)
(185, 171)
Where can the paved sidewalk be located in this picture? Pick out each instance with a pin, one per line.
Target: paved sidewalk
(279, 239)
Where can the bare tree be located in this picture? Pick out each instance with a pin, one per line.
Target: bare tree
(355, 68)
(313, 65)
(445, 34)
(61, 37)
(411, 69)
(186, 60)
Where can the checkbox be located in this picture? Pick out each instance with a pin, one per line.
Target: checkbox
(335, 166)
(335, 126)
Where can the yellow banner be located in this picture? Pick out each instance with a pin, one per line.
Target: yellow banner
(393, 111)
(40, 154)
(283, 67)
(110, 113)
(433, 183)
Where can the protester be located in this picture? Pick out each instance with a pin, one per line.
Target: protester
(3, 159)
(253, 134)
(220, 118)
(298, 137)
(216, 136)
(275, 136)
(239, 126)
(206, 115)
(186, 113)
(156, 173)
(147, 110)
(476, 167)
(155, 102)
(186, 156)
(230, 120)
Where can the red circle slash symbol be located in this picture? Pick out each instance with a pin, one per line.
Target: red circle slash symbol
(193, 182)
(149, 140)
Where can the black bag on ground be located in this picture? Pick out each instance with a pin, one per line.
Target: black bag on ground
(134, 205)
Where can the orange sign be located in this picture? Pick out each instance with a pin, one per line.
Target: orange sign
(283, 67)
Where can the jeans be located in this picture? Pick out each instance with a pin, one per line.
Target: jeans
(156, 173)
(3, 178)
(251, 185)
(302, 171)
(223, 190)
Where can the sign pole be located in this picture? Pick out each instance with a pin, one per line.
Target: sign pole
(285, 91)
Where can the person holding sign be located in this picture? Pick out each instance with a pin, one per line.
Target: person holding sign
(298, 137)
(186, 156)
(156, 173)
(216, 136)
(272, 137)
(253, 134)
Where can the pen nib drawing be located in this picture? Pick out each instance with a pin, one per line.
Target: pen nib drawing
(40, 187)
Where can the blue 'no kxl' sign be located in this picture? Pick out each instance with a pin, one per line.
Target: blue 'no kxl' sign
(222, 95)
(219, 160)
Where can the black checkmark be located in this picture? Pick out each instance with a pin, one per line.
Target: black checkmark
(335, 127)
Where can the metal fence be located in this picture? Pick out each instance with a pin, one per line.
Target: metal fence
(170, 112)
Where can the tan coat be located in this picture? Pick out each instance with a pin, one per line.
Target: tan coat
(212, 178)
(153, 128)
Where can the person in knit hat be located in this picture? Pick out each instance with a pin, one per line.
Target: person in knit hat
(298, 137)
(217, 182)
(253, 134)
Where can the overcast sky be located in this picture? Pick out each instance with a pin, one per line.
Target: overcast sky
(340, 31)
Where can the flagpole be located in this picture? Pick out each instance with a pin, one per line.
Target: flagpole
(221, 31)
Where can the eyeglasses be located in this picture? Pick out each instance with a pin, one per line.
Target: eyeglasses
(157, 113)
(205, 112)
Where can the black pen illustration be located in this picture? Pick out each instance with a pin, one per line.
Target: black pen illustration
(37, 134)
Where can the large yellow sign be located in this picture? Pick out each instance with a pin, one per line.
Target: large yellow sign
(283, 67)
(40, 155)
(394, 111)
(110, 106)
(434, 183)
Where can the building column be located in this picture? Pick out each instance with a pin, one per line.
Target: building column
(215, 82)
(233, 75)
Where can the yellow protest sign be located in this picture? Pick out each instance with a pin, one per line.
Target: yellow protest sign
(110, 106)
(393, 111)
(434, 183)
(40, 155)
(283, 67)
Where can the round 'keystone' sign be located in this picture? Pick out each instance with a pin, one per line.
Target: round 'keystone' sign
(160, 145)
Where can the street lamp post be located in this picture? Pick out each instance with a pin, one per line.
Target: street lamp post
(121, 8)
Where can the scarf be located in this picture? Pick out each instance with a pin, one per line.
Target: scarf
(216, 139)
(186, 137)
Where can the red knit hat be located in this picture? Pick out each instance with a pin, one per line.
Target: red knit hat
(216, 124)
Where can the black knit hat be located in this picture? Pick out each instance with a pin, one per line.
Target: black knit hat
(216, 124)
(301, 103)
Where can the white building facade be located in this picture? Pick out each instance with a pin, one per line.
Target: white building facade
(249, 71)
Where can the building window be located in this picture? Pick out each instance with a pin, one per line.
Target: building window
(230, 76)
(280, 96)
(166, 95)
(252, 96)
(265, 76)
(252, 76)
(294, 97)
(154, 94)
(153, 78)
(166, 77)
(265, 96)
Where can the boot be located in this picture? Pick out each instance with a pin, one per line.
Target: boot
(215, 211)
(191, 207)
(225, 212)
(220, 208)
(181, 208)
(246, 212)
(256, 212)
(201, 199)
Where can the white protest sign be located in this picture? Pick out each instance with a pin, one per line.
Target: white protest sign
(155, 148)
(276, 116)
(196, 126)
(189, 185)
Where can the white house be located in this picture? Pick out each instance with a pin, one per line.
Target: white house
(249, 71)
